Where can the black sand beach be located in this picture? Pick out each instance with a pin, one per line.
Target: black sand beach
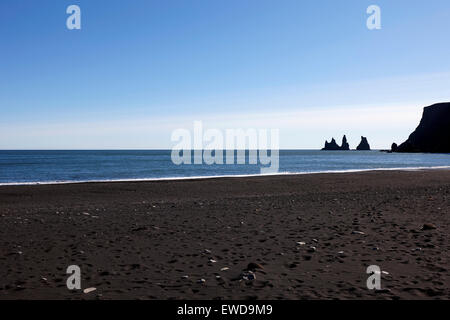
(158, 240)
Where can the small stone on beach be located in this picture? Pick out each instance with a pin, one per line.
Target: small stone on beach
(428, 226)
(253, 266)
(248, 275)
(87, 290)
(383, 291)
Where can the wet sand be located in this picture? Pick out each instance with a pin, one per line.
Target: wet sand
(158, 240)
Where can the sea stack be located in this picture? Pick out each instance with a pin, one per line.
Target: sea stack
(394, 147)
(433, 133)
(363, 145)
(345, 145)
(333, 146)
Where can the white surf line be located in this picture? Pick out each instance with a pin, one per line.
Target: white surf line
(223, 176)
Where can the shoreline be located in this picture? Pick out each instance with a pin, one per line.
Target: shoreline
(188, 178)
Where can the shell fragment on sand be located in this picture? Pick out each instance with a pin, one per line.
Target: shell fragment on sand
(87, 290)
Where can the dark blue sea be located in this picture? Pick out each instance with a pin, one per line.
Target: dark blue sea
(21, 167)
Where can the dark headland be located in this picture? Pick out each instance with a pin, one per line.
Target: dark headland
(433, 133)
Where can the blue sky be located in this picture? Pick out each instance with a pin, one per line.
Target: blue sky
(138, 70)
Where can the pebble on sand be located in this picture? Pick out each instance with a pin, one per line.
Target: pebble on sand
(428, 226)
(383, 291)
(248, 275)
(87, 290)
(253, 266)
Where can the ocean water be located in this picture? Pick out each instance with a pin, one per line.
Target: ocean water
(22, 167)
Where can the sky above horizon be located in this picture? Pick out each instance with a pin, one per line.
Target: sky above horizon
(138, 70)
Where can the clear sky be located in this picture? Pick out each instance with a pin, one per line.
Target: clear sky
(137, 70)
